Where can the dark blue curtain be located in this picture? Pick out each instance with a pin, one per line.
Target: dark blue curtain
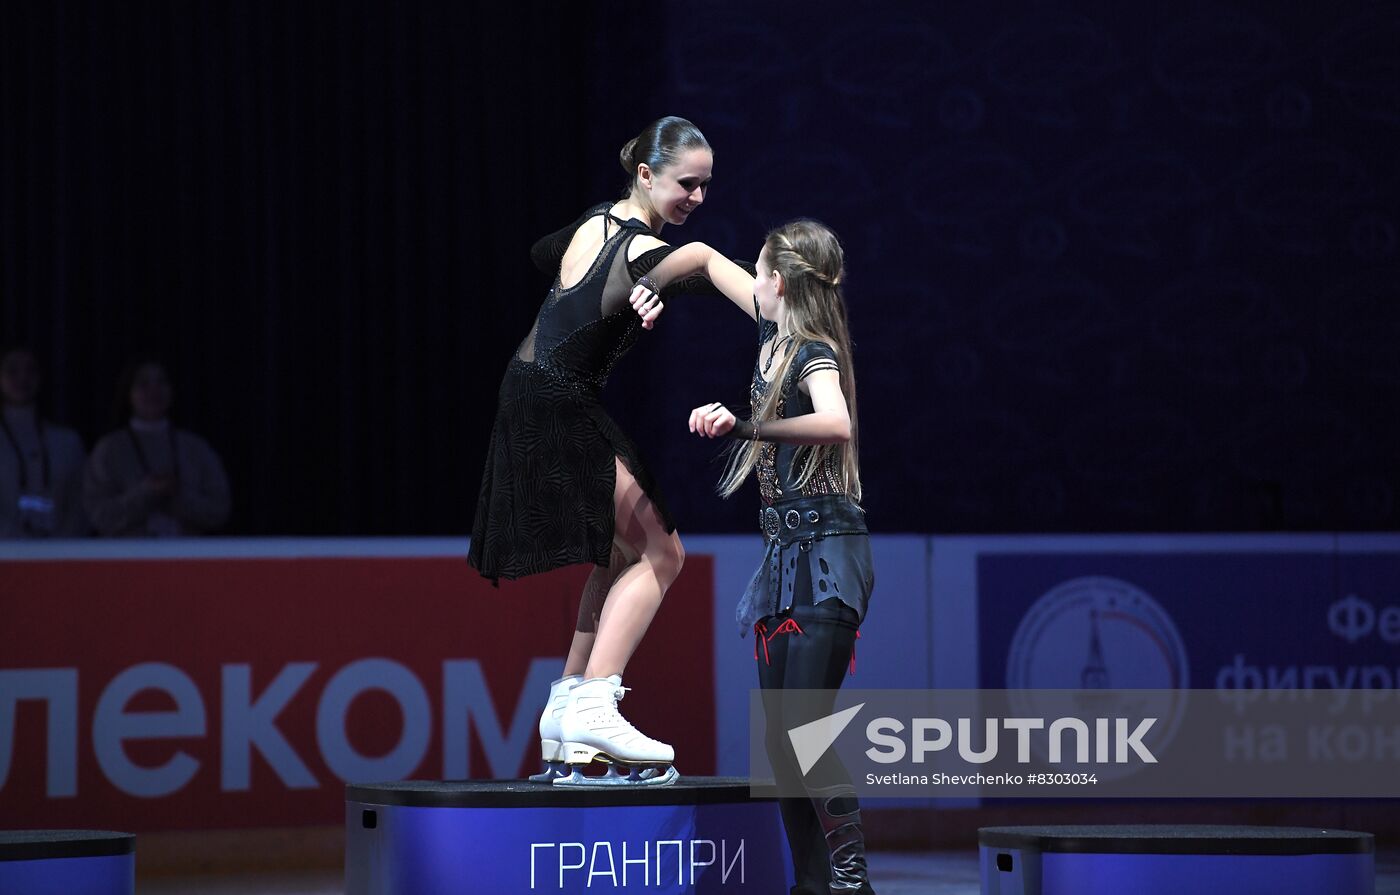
(1112, 267)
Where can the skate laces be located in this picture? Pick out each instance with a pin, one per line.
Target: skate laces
(608, 709)
(611, 713)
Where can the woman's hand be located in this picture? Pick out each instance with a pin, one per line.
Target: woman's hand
(646, 301)
(712, 421)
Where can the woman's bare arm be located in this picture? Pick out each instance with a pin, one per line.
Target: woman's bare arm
(735, 283)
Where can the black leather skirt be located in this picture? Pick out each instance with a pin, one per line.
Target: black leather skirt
(826, 534)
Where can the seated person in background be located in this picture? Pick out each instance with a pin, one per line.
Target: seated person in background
(41, 464)
(148, 478)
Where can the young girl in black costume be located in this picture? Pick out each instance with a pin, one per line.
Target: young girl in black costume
(809, 596)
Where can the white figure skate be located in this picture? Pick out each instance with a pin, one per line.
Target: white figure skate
(551, 741)
(594, 730)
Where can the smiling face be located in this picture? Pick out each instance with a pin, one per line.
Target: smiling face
(677, 190)
(767, 288)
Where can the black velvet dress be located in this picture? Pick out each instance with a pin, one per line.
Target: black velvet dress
(546, 496)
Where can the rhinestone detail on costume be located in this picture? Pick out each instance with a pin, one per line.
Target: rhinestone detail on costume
(828, 477)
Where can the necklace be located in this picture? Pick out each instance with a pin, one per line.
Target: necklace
(774, 353)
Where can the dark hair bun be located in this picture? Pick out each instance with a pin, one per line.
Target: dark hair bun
(659, 145)
(625, 156)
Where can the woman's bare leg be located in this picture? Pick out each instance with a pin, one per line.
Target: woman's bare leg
(595, 593)
(635, 596)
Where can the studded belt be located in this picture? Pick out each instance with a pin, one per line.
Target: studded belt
(804, 518)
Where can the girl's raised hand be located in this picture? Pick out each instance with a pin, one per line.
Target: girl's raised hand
(712, 421)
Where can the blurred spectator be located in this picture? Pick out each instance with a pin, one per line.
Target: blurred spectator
(148, 478)
(41, 464)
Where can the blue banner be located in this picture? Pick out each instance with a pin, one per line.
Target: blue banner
(1251, 618)
(719, 848)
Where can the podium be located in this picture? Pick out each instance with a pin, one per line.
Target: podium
(67, 862)
(1170, 860)
(701, 835)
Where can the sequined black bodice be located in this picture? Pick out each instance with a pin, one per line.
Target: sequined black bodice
(582, 330)
(780, 465)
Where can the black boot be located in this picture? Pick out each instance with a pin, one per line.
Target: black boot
(839, 815)
(808, 846)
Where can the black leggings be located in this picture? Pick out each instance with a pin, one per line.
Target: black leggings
(817, 658)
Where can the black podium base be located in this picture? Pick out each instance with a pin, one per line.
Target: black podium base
(1170, 860)
(63, 862)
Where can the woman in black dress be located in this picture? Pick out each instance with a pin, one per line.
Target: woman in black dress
(563, 484)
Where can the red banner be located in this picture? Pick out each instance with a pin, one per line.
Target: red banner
(214, 693)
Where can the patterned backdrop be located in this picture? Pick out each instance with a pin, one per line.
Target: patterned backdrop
(1117, 270)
